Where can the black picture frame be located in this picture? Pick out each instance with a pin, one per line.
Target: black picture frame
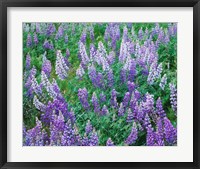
(4, 4)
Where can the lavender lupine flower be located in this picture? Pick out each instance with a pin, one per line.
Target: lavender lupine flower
(137, 94)
(163, 82)
(121, 110)
(102, 97)
(35, 38)
(111, 58)
(91, 29)
(110, 77)
(104, 110)
(150, 137)
(61, 67)
(28, 82)
(92, 74)
(59, 33)
(29, 41)
(154, 73)
(130, 116)
(84, 57)
(83, 36)
(147, 121)
(28, 61)
(125, 34)
(46, 65)
(100, 80)
(132, 70)
(39, 105)
(113, 100)
(50, 29)
(131, 86)
(66, 39)
(170, 132)
(159, 108)
(35, 136)
(88, 127)
(126, 99)
(71, 116)
(159, 132)
(85, 140)
(123, 75)
(57, 127)
(68, 137)
(148, 105)
(80, 72)
(94, 139)
(133, 135)
(48, 86)
(83, 97)
(26, 27)
(48, 45)
(95, 103)
(78, 138)
(35, 86)
(109, 142)
(123, 51)
(173, 97)
(92, 51)
(140, 34)
(37, 27)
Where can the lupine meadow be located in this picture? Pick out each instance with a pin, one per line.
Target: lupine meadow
(99, 84)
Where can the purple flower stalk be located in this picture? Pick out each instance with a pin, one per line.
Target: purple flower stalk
(121, 110)
(159, 108)
(170, 132)
(102, 97)
(133, 135)
(95, 103)
(83, 97)
(109, 142)
(46, 66)
(113, 100)
(130, 116)
(126, 99)
(104, 111)
(94, 139)
(28, 61)
(110, 77)
(163, 82)
(80, 72)
(29, 41)
(173, 97)
(88, 128)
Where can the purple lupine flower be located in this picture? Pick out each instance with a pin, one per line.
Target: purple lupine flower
(92, 74)
(140, 34)
(111, 58)
(133, 135)
(48, 45)
(39, 105)
(110, 77)
(121, 110)
(95, 103)
(28, 61)
(126, 99)
(88, 128)
(109, 142)
(151, 77)
(50, 29)
(113, 100)
(159, 108)
(104, 111)
(91, 29)
(29, 41)
(102, 97)
(59, 33)
(170, 132)
(146, 121)
(130, 116)
(46, 65)
(148, 105)
(35, 86)
(83, 36)
(123, 75)
(61, 67)
(78, 137)
(173, 97)
(48, 86)
(68, 137)
(83, 97)
(85, 140)
(66, 39)
(150, 137)
(35, 136)
(125, 34)
(35, 38)
(94, 139)
(92, 51)
(131, 86)
(100, 80)
(123, 51)
(80, 72)
(132, 70)
(71, 116)
(159, 132)
(57, 127)
(163, 82)
(37, 27)
(67, 53)
(84, 57)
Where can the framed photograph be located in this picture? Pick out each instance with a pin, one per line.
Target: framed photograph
(108, 84)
